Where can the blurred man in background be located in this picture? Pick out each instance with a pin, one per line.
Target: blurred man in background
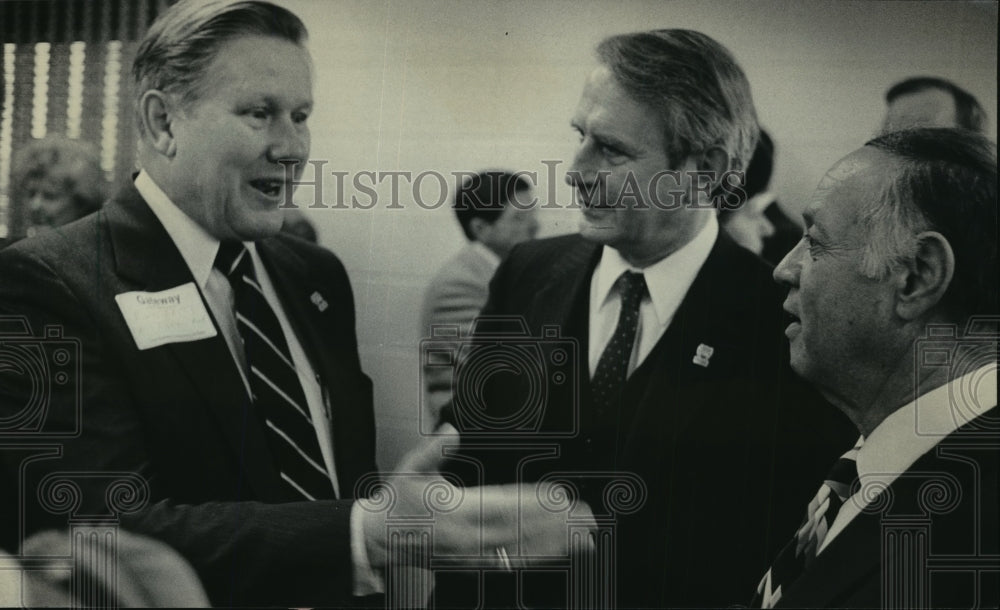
(928, 101)
(759, 224)
(497, 212)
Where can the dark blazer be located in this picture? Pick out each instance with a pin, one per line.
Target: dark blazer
(930, 540)
(727, 453)
(178, 415)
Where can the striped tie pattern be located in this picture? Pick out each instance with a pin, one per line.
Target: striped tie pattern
(612, 367)
(799, 553)
(274, 383)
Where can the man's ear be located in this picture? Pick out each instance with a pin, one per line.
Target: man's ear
(156, 113)
(715, 160)
(924, 278)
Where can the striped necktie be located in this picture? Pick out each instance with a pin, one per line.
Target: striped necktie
(801, 550)
(277, 394)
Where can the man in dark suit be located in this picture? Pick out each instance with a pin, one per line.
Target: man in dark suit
(166, 386)
(893, 294)
(681, 386)
(195, 372)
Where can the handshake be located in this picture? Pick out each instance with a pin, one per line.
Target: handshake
(417, 517)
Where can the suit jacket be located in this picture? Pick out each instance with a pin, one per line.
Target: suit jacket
(923, 541)
(722, 450)
(175, 421)
(455, 296)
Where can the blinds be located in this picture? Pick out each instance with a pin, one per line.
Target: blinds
(64, 70)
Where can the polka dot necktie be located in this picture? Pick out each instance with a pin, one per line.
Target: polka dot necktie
(612, 367)
(277, 394)
(801, 550)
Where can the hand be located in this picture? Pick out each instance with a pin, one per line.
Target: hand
(530, 522)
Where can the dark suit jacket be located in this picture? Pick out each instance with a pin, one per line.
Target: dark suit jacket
(930, 540)
(178, 415)
(724, 451)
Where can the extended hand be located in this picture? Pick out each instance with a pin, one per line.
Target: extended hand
(523, 524)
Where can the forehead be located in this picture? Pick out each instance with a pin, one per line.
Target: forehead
(252, 66)
(849, 184)
(605, 106)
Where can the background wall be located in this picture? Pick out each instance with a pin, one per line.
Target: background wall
(465, 85)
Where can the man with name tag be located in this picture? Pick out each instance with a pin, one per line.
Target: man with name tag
(683, 383)
(199, 375)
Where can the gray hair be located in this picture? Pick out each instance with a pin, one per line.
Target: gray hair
(944, 180)
(178, 48)
(696, 86)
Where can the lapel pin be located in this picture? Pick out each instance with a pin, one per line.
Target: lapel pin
(318, 300)
(702, 354)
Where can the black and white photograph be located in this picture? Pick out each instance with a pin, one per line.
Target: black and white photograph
(499, 304)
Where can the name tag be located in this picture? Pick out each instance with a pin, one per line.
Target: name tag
(175, 315)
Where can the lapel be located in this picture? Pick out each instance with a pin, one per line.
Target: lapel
(145, 258)
(850, 561)
(564, 299)
(851, 566)
(317, 314)
(711, 314)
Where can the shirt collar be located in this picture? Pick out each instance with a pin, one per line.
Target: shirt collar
(197, 247)
(668, 279)
(914, 429)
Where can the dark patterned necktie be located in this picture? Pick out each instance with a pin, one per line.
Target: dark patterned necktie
(274, 383)
(801, 550)
(612, 367)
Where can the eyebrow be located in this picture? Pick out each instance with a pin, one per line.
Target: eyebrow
(604, 138)
(276, 102)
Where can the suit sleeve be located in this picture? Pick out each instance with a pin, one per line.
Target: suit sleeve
(246, 553)
(453, 299)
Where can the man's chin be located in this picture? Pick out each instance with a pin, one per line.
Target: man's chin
(799, 363)
(598, 230)
(262, 226)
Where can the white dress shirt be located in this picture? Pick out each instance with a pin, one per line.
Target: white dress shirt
(198, 249)
(913, 430)
(668, 281)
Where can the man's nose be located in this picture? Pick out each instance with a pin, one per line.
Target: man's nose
(289, 141)
(787, 271)
(583, 169)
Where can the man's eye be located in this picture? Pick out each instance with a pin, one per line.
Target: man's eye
(259, 113)
(813, 246)
(610, 151)
(300, 117)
